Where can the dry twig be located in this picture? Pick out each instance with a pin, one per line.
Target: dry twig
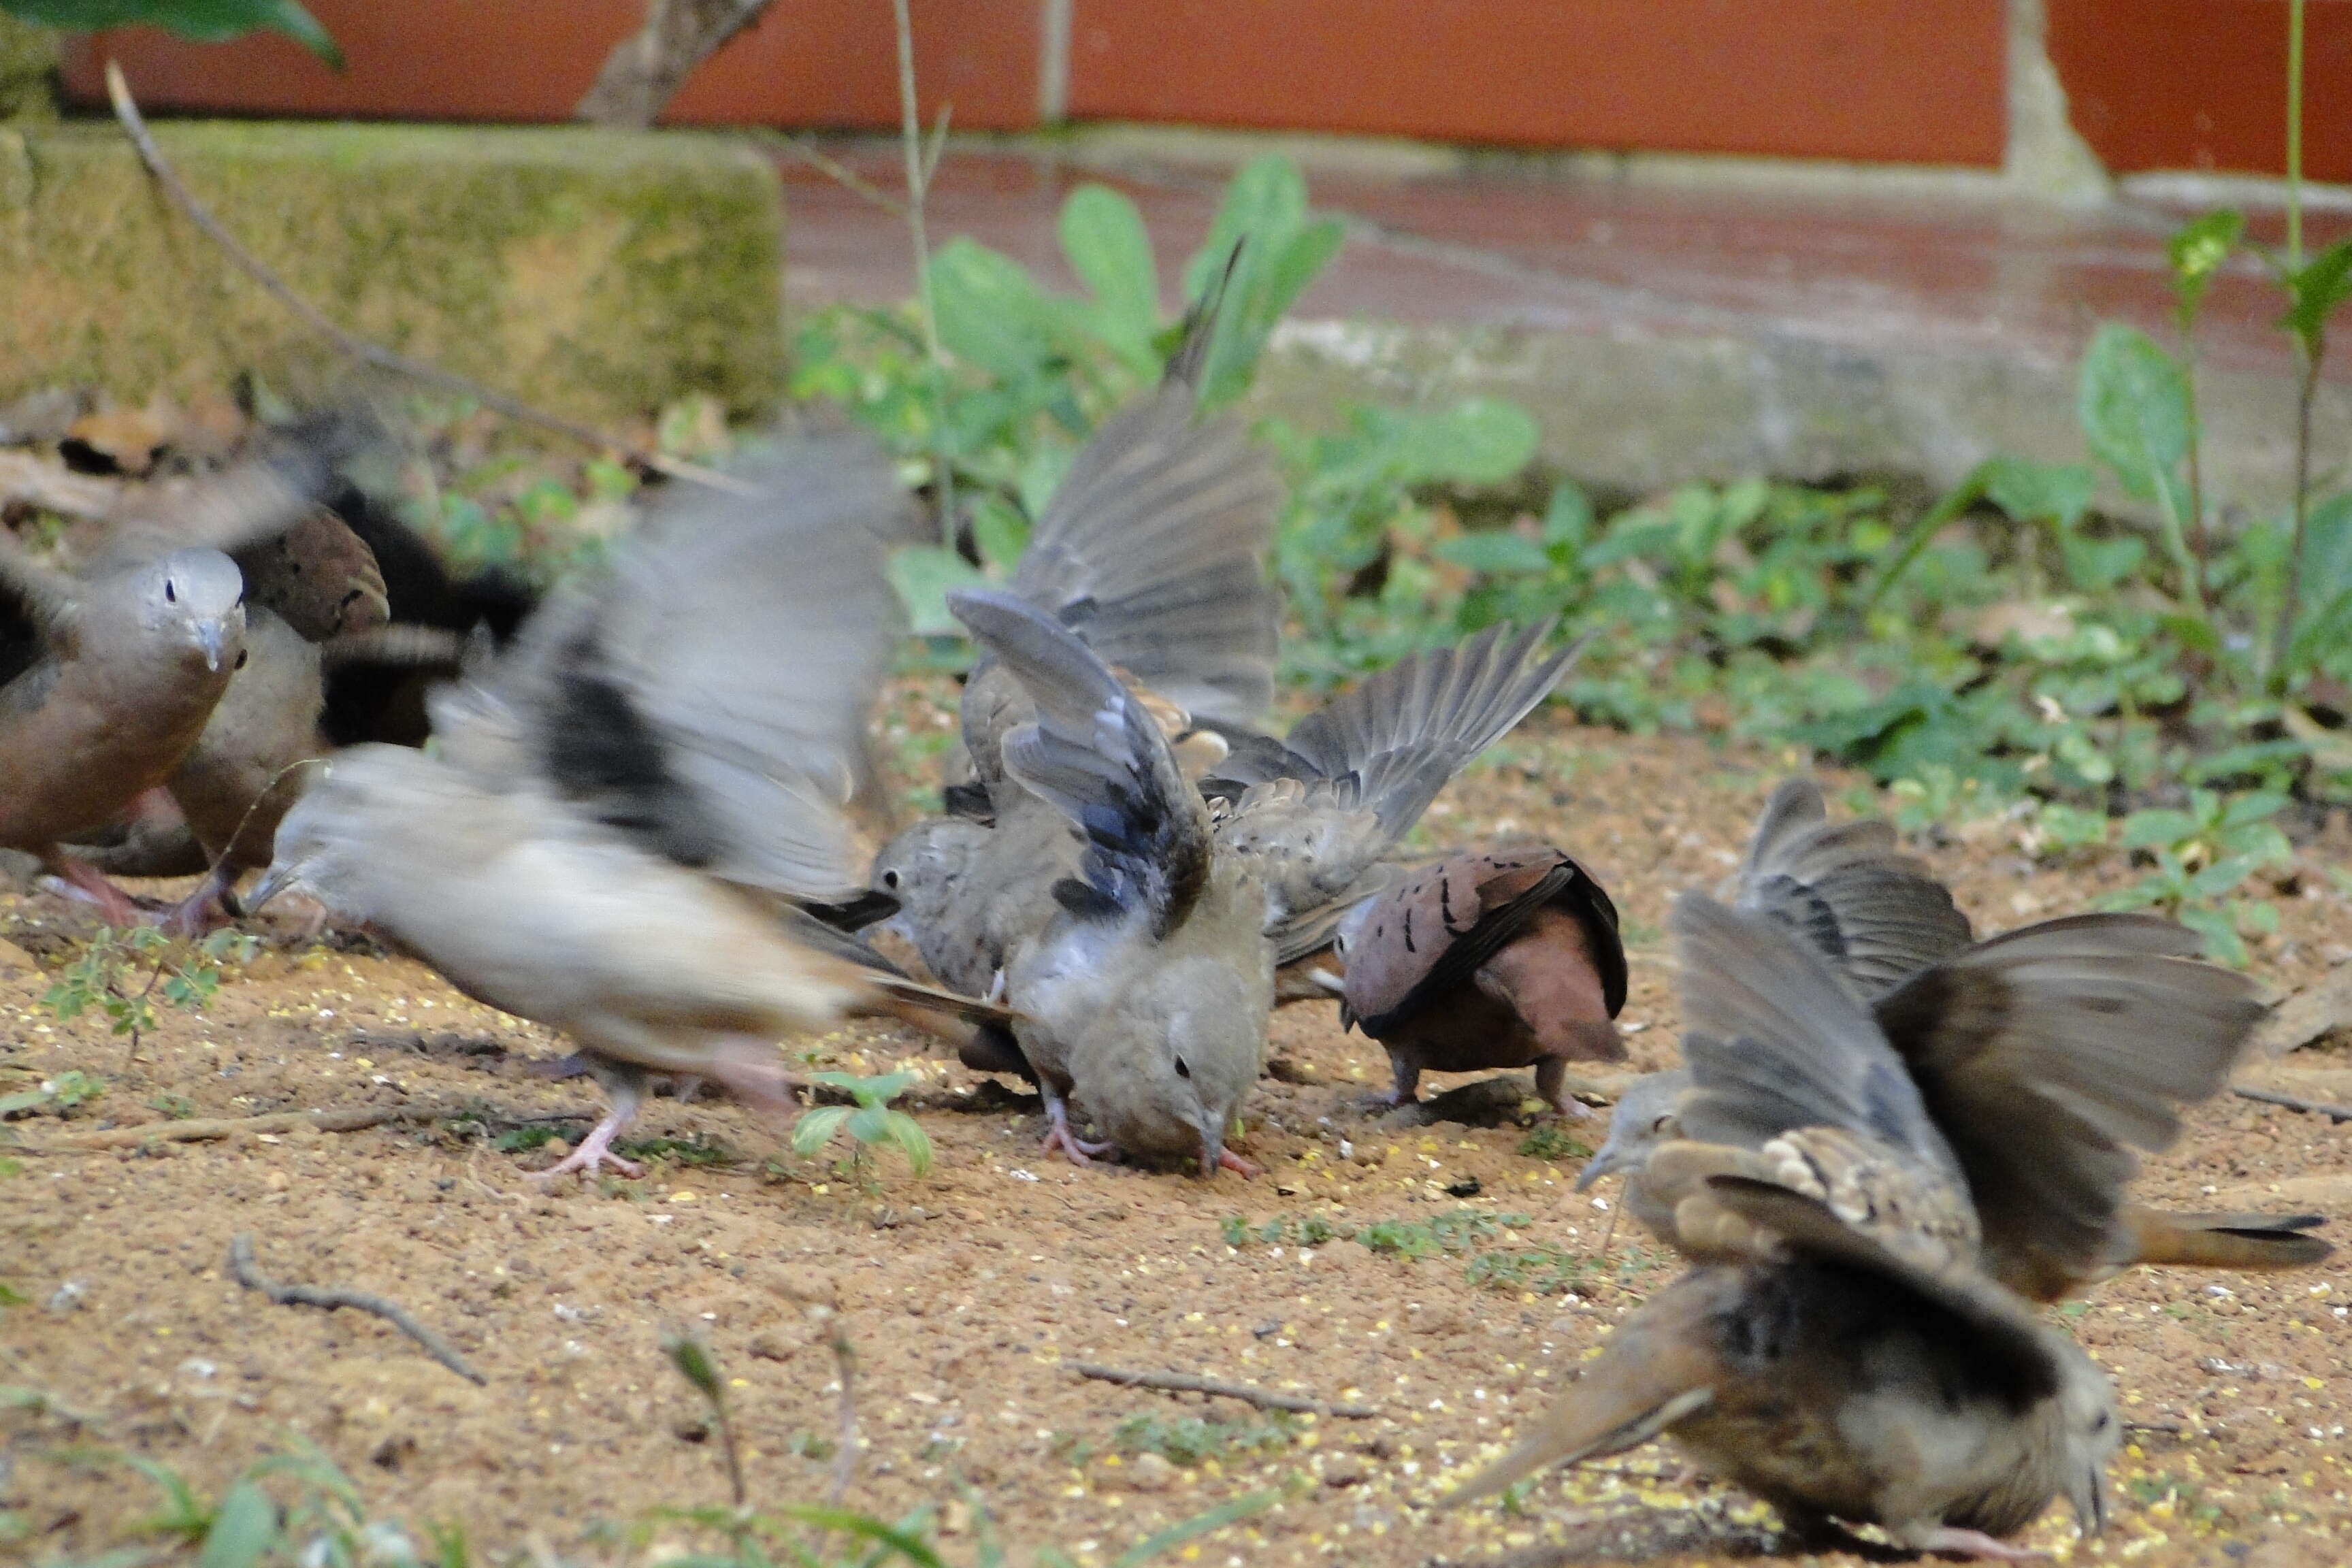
(247, 1273)
(1185, 1383)
(845, 1458)
(343, 1119)
(2293, 1102)
(358, 348)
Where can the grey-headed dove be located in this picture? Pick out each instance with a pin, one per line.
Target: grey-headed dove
(1146, 993)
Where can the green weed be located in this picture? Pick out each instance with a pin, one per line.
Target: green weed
(870, 1123)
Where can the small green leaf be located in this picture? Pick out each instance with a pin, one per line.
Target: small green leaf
(869, 1124)
(2222, 944)
(692, 1359)
(243, 1526)
(925, 575)
(2325, 282)
(202, 21)
(910, 1137)
(1567, 519)
(1107, 246)
(2196, 252)
(2147, 829)
(1496, 551)
(815, 1127)
(1479, 441)
(2030, 491)
(2133, 404)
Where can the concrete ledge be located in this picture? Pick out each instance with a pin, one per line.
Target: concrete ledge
(1648, 407)
(598, 274)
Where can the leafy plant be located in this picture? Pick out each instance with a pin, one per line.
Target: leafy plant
(203, 21)
(1549, 1143)
(107, 976)
(1543, 1270)
(68, 1092)
(871, 1123)
(1190, 1440)
(2202, 855)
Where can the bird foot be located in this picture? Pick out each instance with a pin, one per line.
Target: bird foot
(595, 1152)
(1059, 1137)
(1973, 1545)
(81, 879)
(1229, 1160)
(198, 914)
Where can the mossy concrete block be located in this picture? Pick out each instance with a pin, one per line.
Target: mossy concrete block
(1645, 407)
(598, 274)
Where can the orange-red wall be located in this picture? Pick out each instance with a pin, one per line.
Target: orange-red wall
(2155, 83)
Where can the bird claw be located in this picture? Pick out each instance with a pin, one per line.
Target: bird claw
(1229, 1160)
(1973, 1545)
(595, 1152)
(1058, 1136)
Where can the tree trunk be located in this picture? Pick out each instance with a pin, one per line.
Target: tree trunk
(646, 69)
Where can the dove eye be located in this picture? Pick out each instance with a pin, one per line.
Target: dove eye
(890, 879)
(1183, 1069)
(171, 593)
(241, 657)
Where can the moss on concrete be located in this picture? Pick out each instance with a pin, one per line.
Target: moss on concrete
(28, 68)
(599, 274)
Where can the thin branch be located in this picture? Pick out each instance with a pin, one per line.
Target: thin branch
(1184, 1383)
(345, 1119)
(247, 1273)
(845, 1455)
(2294, 1102)
(358, 348)
(833, 169)
(910, 135)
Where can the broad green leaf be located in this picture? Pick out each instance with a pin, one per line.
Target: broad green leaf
(2133, 401)
(884, 1090)
(2196, 252)
(1479, 441)
(869, 1124)
(993, 315)
(1569, 518)
(2211, 882)
(203, 21)
(1000, 531)
(2095, 565)
(910, 1137)
(1264, 212)
(2254, 805)
(243, 1527)
(2148, 829)
(1105, 241)
(2222, 944)
(2325, 282)
(1496, 551)
(815, 1127)
(924, 576)
(2029, 491)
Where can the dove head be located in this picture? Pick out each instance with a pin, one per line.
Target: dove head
(192, 603)
(2090, 1433)
(1643, 1119)
(350, 812)
(1170, 1079)
(923, 870)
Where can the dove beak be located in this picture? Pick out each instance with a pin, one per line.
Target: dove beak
(1212, 1151)
(2091, 1505)
(213, 638)
(868, 908)
(1607, 1162)
(274, 882)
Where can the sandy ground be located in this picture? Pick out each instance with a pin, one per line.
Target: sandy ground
(965, 1294)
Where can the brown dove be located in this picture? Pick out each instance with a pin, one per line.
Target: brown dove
(1145, 994)
(1487, 959)
(1838, 1352)
(2084, 1033)
(107, 677)
(622, 807)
